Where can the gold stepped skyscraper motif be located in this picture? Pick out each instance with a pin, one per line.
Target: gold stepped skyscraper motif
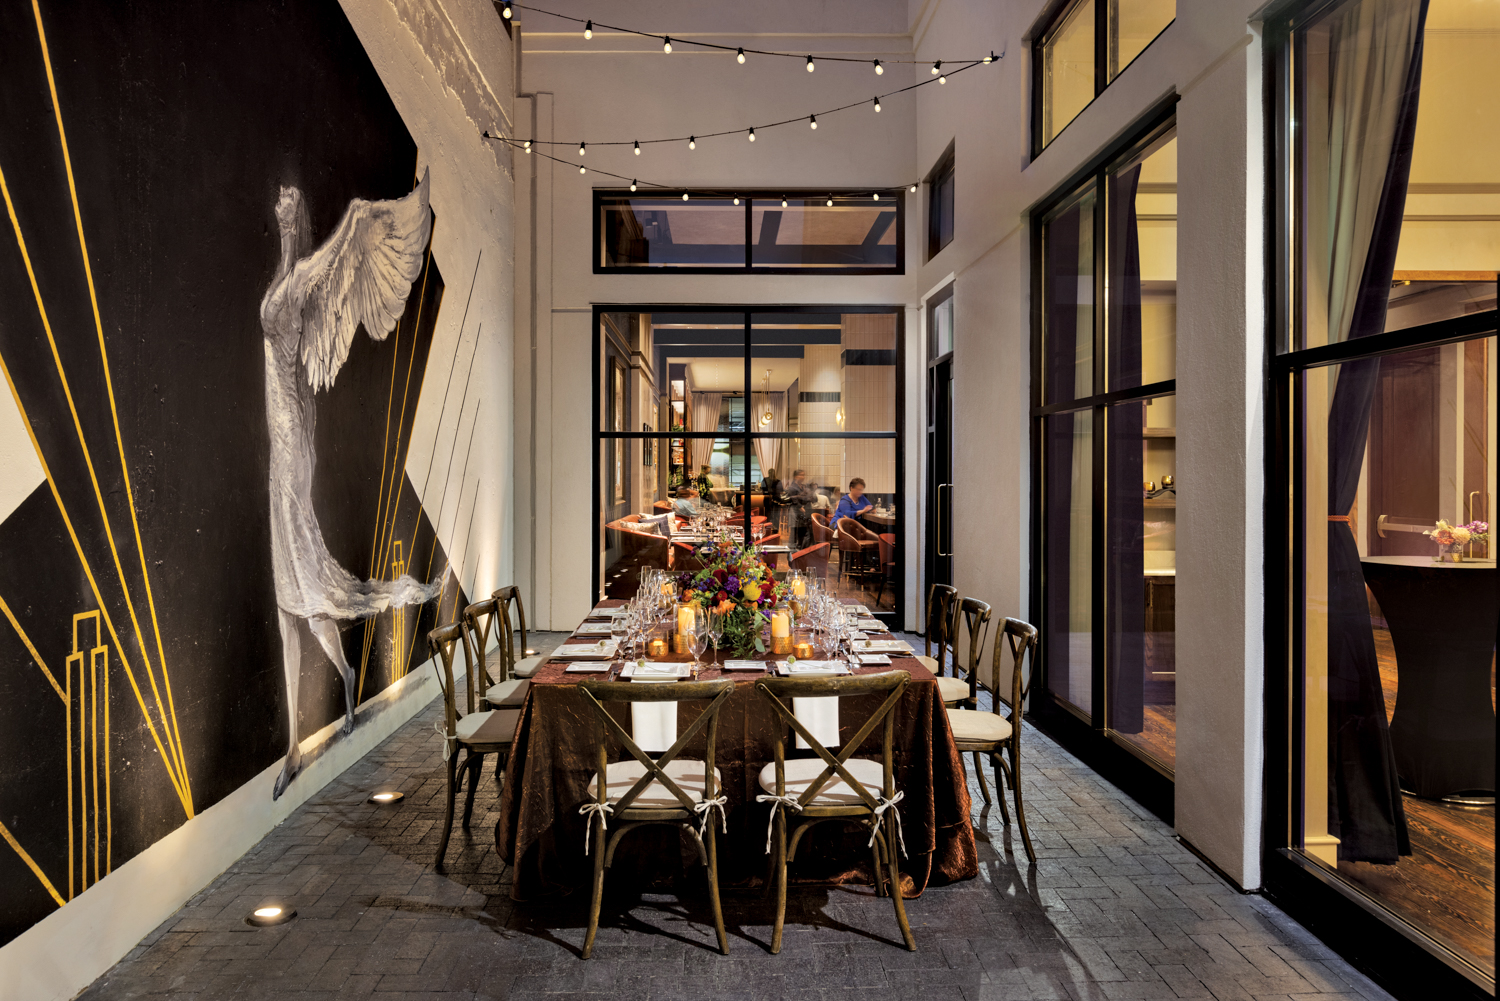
(398, 619)
(90, 824)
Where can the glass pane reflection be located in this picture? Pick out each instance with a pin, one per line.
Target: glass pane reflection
(1069, 512)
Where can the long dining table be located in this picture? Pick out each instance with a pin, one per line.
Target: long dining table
(541, 833)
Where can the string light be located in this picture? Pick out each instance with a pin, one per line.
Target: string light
(877, 105)
(752, 133)
(876, 196)
(667, 44)
(692, 142)
(879, 69)
(632, 184)
(684, 196)
(830, 201)
(810, 66)
(943, 79)
(937, 67)
(582, 148)
(527, 146)
(736, 199)
(505, 11)
(913, 187)
(588, 30)
(739, 56)
(582, 169)
(814, 121)
(783, 201)
(989, 58)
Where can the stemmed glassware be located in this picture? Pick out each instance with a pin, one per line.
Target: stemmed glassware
(716, 631)
(698, 638)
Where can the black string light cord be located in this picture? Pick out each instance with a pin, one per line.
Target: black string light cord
(506, 7)
(875, 194)
(527, 144)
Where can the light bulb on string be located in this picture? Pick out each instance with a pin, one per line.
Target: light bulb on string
(684, 196)
(989, 58)
(937, 67)
(526, 145)
(877, 104)
(752, 133)
(783, 202)
(692, 142)
(632, 184)
(666, 45)
(813, 121)
(736, 199)
(739, 56)
(810, 66)
(879, 69)
(588, 30)
(877, 196)
(637, 147)
(582, 169)
(913, 187)
(943, 79)
(582, 148)
(505, 11)
(830, 201)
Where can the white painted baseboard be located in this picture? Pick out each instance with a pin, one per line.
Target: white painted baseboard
(62, 954)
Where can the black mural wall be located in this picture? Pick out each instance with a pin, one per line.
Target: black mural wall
(140, 660)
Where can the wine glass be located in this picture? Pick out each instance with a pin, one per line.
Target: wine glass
(698, 638)
(716, 631)
(619, 629)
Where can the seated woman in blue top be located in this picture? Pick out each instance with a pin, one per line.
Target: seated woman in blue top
(852, 504)
(687, 504)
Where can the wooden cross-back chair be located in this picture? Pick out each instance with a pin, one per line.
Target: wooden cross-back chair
(667, 790)
(517, 662)
(835, 786)
(942, 610)
(970, 622)
(500, 692)
(477, 732)
(996, 736)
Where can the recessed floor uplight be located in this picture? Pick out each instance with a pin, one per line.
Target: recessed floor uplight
(386, 797)
(271, 914)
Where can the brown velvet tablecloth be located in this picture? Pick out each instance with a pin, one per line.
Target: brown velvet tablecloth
(552, 762)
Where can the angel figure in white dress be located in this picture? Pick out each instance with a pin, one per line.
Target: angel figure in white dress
(360, 277)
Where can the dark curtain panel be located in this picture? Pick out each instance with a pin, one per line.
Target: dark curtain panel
(1364, 801)
(1126, 568)
(1060, 287)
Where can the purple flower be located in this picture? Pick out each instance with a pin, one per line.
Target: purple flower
(732, 584)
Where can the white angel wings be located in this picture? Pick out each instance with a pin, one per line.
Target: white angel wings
(362, 274)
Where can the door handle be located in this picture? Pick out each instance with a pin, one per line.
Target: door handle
(940, 487)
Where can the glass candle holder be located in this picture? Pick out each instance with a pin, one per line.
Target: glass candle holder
(781, 630)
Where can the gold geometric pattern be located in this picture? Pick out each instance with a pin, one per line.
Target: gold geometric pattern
(90, 822)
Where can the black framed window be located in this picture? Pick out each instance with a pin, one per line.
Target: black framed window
(1084, 46)
(1104, 444)
(1382, 397)
(774, 411)
(940, 204)
(765, 232)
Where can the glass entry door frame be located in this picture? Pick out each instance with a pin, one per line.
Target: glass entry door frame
(1087, 730)
(604, 437)
(939, 420)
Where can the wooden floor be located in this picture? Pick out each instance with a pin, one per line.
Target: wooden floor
(1159, 736)
(1446, 886)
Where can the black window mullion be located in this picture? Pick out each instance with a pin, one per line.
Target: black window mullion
(1100, 694)
(1101, 46)
(749, 246)
(749, 432)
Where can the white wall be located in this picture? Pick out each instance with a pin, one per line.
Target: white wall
(447, 65)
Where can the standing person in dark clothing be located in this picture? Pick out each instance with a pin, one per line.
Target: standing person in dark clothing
(797, 497)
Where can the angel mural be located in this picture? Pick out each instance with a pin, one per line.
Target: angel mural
(360, 277)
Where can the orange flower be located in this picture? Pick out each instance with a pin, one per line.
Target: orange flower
(1443, 537)
(725, 607)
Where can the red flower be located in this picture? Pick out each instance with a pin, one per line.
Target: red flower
(722, 596)
(720, 574)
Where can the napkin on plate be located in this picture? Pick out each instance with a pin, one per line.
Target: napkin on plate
(653, 725)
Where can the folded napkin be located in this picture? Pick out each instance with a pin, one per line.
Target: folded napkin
(821, 717)
(604, 650)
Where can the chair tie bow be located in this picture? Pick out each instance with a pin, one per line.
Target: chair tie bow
(706, 807)
(777, 802)
(448, 739)
(881, 805)
(603, 810)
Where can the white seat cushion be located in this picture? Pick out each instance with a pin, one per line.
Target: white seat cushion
(527, 667)
(800, 773)
(621, 775)
(929, 662)
(509, 694)
(951, 689)
(976, 726)
(498, 726)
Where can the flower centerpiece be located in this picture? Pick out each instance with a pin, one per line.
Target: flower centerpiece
(736, 583)
(1451, 539)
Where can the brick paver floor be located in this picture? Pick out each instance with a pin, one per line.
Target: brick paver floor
(1114, 908)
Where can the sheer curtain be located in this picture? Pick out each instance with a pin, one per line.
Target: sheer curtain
(768, 450)
(1374, 65)
(705, 418)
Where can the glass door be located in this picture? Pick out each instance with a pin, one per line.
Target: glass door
(939, 540)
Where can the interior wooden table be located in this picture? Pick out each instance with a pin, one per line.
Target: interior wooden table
(552, 762)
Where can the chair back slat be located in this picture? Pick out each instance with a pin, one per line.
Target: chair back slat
(441, 642)
(597, 693)
(971, 621)
(1020, 639)
(942, 602)
(778, 691)
(480, 618)
(509, 597)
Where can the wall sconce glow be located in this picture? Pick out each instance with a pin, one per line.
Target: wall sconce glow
(386, 797)
(271, 914)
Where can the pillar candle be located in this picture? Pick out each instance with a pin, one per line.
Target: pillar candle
(667, 587)
(684, 619)
(799, 586)
(781, 624)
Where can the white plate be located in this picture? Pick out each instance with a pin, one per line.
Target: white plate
(873, 659)
(591, 667)
(812, 669)
(667, 672)
(882, 646)
(606, 613)
(586, 651)
(593, 629)
(743, 665)
(872, 626)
